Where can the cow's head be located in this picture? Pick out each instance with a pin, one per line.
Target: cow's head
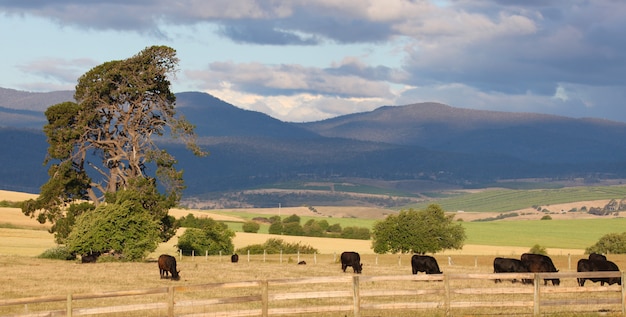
(358, 268)
(175, 275)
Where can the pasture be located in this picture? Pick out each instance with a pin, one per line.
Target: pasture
(23, 238)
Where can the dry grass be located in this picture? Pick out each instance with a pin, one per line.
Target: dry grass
(37, 277)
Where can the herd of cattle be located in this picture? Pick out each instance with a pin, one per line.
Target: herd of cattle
(528, 263)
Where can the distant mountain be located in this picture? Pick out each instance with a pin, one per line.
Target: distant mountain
(408, 150)
(527, 136)
(26, 109)
(214, 117)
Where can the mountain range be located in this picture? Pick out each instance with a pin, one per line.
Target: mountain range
(404, 151)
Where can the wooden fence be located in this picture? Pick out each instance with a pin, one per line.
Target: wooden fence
(351, 294)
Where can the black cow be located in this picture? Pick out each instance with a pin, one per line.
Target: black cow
(597, 257)
(424, 263)
(352, 259)
(598, 265)
(302, 263)
(167, 264)
(90, 258)
(537, 263)
(234, 258)
(507, 265)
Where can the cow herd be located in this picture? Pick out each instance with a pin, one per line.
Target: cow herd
(537, 263)
(528, 263)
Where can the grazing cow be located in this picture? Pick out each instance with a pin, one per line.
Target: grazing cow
(234, 258)
(424, 263)
(167, 264)
(598, 265)
(597, 257)
(537, 263)
(90, 258)
(506, 265)
(352, 259)
(302, 263)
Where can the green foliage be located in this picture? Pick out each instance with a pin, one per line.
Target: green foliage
(58, 253)
(274, 246)
(214, 237)
(122, 227)
(276, 228)
(293, 218)
(10, 204)
(292, 229)
(499, 217)
(355, 233)
(537, 249)
(63, 226)
(612, 243)
(250, 227)
(313, 228)
(191, 221)
(412, 231)
(546, 217)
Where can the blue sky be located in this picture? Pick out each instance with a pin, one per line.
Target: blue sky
(310, 60)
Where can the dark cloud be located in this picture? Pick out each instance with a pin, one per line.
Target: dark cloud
(262, 32)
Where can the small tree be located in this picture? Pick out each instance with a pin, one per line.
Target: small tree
(251, 227)
(614, 243)
(212, 238)
(537, 249)
(428, 230)
(120, 227)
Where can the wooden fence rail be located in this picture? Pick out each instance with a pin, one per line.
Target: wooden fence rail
(352, 293)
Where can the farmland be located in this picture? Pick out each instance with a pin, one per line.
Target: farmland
(23, 238)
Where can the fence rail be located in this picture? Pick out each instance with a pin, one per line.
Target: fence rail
(353, 290)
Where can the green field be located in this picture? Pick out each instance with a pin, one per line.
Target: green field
(503, 200)
(565, 234)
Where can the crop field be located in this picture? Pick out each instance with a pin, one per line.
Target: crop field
(503, 200)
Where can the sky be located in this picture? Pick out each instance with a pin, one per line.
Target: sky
(309, 60)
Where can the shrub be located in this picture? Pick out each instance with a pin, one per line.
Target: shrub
(58, 253)
(274, 246)
(614, 243)
(251, 227)
(546, 217)
(537, 249)
(213, 238)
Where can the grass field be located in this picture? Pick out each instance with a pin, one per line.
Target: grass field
(503, 200)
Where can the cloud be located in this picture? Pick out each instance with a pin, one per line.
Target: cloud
(544, 56)
(288, 79)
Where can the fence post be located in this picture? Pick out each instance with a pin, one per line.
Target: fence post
(356, 296)
(69, 305)
(264, 298)
(623, 295)
(536, 295)
(170, 301)
(446, 293)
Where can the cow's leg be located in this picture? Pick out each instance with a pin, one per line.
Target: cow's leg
(344, 266)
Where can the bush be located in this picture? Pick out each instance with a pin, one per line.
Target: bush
(274, 246)
(118, 227)
(537, 249)
(58, 253)
(355, 233)
(546, 217)
(251, 227)
(614, 243)
(215, 237)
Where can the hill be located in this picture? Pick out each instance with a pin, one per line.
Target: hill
(390, 157)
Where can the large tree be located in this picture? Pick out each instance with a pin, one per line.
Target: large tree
(417, 231)
(105, 140)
